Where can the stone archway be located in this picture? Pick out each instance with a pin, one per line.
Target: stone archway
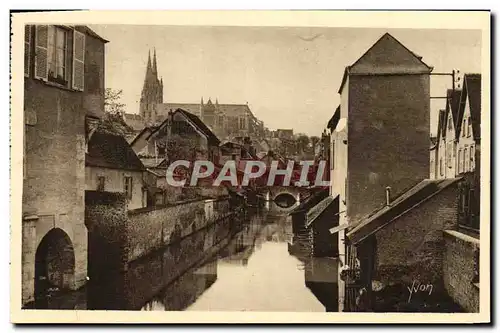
(285, 200)
(54, 265)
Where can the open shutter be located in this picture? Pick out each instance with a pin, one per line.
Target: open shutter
(41, 56)
(78, 60)
(27, 49)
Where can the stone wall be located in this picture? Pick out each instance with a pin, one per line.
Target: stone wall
(411, 248)
(382, 111)
(460, 269)
(124, 236)
(106, 219)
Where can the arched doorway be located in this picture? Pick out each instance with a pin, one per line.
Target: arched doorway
(285, 200)
(54, 266)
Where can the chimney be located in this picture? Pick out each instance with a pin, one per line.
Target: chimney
(388, 195)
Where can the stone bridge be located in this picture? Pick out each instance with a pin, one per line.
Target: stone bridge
(285, 196)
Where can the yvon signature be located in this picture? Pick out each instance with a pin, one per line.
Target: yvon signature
(419, 287)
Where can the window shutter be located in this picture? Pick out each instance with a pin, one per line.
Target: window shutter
(27, 49)
(78, 60)
(41, 57)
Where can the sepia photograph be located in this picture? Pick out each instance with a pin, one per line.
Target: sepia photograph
(302, 166)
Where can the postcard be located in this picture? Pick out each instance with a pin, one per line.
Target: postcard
(250, 167)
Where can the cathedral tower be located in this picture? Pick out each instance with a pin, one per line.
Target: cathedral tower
(152, 92)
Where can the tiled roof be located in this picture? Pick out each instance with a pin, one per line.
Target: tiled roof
(111, 151)
(399, 206)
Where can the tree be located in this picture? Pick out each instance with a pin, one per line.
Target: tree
(112, 121)
(112, 104)
(314, 141)
(302, 142)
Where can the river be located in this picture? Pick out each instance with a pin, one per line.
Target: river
(253, 263)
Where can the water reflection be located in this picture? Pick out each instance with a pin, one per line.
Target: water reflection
(257, 263)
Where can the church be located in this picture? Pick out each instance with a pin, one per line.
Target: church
(227, 121)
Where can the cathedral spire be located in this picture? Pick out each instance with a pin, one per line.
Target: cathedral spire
(149, 60)
(154, 61)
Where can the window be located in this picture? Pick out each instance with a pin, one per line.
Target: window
(52, 58)
(471, 157)
(127, 186)
(469, 127)
(448, 154)
(57, 55)
(463, 127)
(101, 181)
(460, 160)
(27, 49)
(242, 123)
(441, 169)
(466, 159)
(450, 125)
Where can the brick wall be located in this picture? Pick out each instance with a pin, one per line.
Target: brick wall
(412, 247)
(459, 269)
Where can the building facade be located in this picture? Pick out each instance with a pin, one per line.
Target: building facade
(63, 100)
(112, 166)
(384, 96)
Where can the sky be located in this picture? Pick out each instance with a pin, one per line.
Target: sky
(289, 76)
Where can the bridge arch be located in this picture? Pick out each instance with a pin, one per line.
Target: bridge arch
(285, 199)
(54, 264)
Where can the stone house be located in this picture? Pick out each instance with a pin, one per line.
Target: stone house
(63, 100)
(403, 244)
(458, 150)
(469, 152)
(384, 96)
(152, 140)
(447, 148)
(112, 166)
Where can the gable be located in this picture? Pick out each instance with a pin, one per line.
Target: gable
(389, 56)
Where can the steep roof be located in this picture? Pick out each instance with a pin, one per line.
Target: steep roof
(201, 126)
(164, 109)
(387, 56)
(453, 106)
(111, 151)
(472, 90)
(409, 200)
(334, 120)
